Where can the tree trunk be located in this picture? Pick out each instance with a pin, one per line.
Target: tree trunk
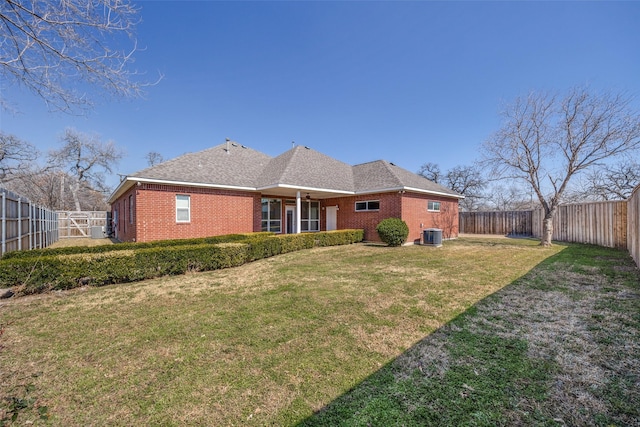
(61, 202)
(547, 229)
(75, 189)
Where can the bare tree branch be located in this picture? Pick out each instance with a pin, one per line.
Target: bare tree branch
(431, 171)
(610, 182)
(86, 158)
(53, 48)
(465, 180)
(153, 158)
(15, 156)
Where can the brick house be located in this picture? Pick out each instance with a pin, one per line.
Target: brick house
(231, 188)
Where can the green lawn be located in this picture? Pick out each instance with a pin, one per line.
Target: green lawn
(477, 332)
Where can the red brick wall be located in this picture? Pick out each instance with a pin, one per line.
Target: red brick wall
(217, 212)
(213, 212)
(410, 207)
(390, 207)
(418, 218)
(125, 230)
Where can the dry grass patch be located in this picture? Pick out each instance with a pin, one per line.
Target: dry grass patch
(81, 241)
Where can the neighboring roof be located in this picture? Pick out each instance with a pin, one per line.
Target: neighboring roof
(232, 165)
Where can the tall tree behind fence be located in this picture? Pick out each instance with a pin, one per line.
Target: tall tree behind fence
(25, 225)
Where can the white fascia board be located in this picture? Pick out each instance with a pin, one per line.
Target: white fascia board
(190, 184)
(119, 190)
(415, 190)
(437, 193)
(131, 180)
(307, 189)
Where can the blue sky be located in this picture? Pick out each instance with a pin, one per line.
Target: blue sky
(408, 82)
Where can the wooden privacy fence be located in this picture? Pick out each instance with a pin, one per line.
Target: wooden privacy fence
(614, 224)
(512, 223)
(25, 225)
(597, 223)
(82, 224)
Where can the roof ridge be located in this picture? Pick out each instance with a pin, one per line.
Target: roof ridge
(390, 167)
(290, 160)
(368, 163)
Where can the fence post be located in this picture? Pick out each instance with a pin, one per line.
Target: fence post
(19, 203)
(4, 223)
(46, 222)
(30, 225)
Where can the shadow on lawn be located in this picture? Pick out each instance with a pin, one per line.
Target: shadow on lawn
(504, 360)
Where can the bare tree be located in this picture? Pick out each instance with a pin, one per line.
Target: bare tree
(610, 182)
(509, 197)
(468, 181)
(52, 188)
(431, 171)
(35, 183)
(50, 47)
(546, 141)
(86, 158)
(16, 156)
(153, 158)
(465, 180)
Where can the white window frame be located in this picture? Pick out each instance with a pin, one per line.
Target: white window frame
(431, 206)
(266, 223)
(367, 207)
(309, 224)
(180, 208)
(131, 208)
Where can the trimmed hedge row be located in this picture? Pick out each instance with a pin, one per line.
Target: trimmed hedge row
(227, 238)
(53, 270)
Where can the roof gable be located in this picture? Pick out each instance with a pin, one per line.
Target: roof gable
(232, 165)
(225, 164)
(382, 175)
(307, 168)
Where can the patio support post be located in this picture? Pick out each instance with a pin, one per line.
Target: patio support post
(298, 213)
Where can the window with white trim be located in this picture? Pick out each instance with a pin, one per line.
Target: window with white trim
(130, 208)
(309, 216)
(369, 205)
(183, 208)
(433, 206)
(272, 215)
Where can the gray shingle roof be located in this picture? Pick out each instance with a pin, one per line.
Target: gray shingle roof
(383, 175)
(238, 167)
(234, 165)
(307, 168)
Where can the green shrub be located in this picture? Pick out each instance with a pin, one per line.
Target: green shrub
(228, 238)
(393, 231)
(67, 268)
(338, 237)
